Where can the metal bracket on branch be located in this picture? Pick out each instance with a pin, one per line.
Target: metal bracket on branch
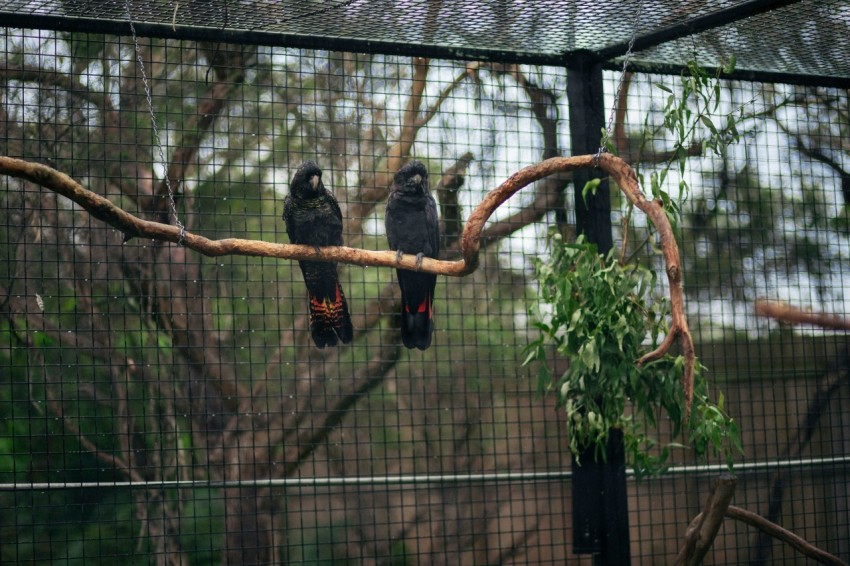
(470, 242)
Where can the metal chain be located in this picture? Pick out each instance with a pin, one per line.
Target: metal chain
(157, 138)
(626, 59)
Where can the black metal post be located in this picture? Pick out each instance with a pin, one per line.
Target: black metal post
(600, 507)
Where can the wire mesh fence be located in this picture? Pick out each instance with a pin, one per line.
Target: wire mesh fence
(162, 406)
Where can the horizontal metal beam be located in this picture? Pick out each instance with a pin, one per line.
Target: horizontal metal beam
(196, 33)
(252, 37)
(839, 462)
(740, 74)
(692, 26)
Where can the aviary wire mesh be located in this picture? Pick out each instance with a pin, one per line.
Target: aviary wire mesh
(160, 406)
(798, 39)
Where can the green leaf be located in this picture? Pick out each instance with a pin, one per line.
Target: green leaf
(709, 124)
(590, 187)
(533, 355)
(601, 313)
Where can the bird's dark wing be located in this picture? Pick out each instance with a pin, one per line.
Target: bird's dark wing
(433, 225)
(391, 223)
(334, 204)
(337, 213)
(288, 219)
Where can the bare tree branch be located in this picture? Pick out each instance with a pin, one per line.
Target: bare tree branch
(828, 385)
(620, 140)
(432, 110)
(451, 216)
(66, 82)
(786, 536)
(783, 312)
(322, 420)
(229, 64)
(702, 531)
(376, 189)
(547, 199)
(818, 155)
(55, 405)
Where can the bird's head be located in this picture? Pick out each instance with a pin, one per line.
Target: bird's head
(307, 180)
(412, 178)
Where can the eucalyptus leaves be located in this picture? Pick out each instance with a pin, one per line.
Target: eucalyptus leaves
(603, 317)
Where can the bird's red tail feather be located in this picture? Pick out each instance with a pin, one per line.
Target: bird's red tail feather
(329, 319)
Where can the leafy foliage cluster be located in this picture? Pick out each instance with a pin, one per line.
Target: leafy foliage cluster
(697, 104)
(602, 315)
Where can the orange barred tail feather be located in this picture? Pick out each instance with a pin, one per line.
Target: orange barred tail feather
(330, 322)
(329, 319)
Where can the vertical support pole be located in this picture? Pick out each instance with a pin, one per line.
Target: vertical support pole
(587, 119)
(600, 506)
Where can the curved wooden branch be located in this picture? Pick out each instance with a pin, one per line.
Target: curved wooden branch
(783, 312)
(625, 178)
(786, 536)
(470, 242)
(702, 531)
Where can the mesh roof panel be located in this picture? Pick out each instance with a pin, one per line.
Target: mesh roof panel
(807, 38)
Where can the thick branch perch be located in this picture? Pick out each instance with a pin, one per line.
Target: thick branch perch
(132, 226)
(703, 529)
(783, 312)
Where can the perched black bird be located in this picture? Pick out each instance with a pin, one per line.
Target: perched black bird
(413, 228)
(313, 218)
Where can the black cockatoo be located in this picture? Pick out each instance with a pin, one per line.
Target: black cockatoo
(313, 218)
(413, 228)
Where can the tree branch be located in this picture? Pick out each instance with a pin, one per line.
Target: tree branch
(321, 421)
(230, 72)
(28, 73)
(818, 155)
(55, 405)
(432, 110)
(378, 188)
(702, 531)
(786, 536)
(828, 385)
(451, 216)
(623, 175)
(547, 199)
(783, 312)
(620, 140)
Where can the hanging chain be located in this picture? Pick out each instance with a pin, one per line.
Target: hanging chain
(626, 59)
(156, 136)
